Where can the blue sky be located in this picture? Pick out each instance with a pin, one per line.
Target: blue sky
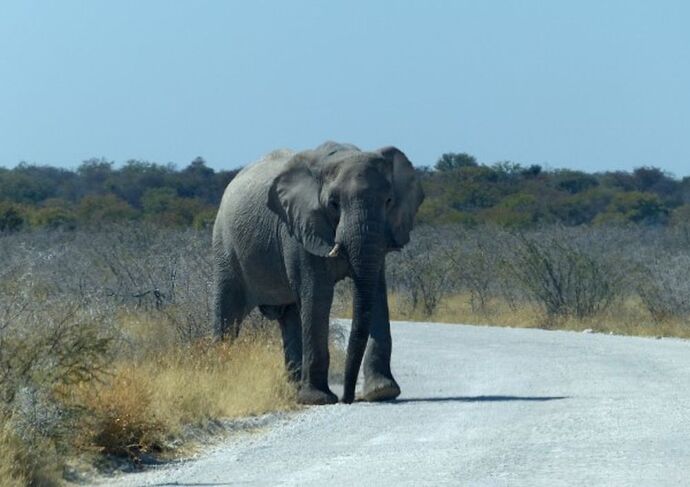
(592, 85)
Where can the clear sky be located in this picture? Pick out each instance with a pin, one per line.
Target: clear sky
(591, 85)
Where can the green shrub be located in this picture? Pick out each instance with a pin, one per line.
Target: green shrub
(12, 218)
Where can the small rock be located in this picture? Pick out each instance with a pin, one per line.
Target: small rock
(588, 330)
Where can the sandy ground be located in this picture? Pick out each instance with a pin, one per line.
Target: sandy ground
(480, 406)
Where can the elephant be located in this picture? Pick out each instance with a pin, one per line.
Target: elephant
(292, 225)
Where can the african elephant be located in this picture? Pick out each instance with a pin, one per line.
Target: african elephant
(293, 224)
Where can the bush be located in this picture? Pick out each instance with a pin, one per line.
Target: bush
(664, 286)
(26, 460)
(421, 274)
(634, 207)
(54, 218)
(557, 272)
(103, 347)
(11, 218)
(99, 210)
(44, 352)
(476, 257)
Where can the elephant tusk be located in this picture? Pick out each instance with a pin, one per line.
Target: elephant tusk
(334, 251)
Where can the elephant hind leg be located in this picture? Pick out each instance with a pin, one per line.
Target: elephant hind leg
(230, 307)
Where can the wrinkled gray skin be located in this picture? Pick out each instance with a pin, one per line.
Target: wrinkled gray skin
(293, 224)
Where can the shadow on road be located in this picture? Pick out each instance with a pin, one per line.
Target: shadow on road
(178, 484)
(480, 399)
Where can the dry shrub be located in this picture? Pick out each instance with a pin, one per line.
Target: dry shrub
(145, 404)
(562, 276)
(124, 421)
(103, 335)
(664, 286)
(421, 273)
(26, 461)
(103, 348)
(13, 459)
(47, 346)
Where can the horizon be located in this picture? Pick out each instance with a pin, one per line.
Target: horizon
(430, 167)
(587, 87)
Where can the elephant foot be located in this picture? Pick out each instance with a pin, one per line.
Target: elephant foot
(380, 389)
(314, 396)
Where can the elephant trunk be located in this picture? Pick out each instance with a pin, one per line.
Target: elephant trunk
(366, 254)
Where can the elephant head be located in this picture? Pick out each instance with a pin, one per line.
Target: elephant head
(340, 201)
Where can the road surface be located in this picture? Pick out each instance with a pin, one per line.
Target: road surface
(481, 406)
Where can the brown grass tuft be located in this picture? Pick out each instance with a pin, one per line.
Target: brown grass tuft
(12, 459)
(627, 317)
(25, 462)
(146, 403)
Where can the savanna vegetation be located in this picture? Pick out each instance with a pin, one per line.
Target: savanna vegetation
(106, 356)
(459, 190)
(105, 292)
(628, 280)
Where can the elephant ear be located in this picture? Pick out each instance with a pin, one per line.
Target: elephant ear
(407, 197)
(294, 197)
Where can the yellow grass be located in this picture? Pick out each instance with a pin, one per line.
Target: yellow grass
(623, 318)
(626, 318)
(146, 403)
(22, 463)
(169, 387)
(12, 464)
(152, 394)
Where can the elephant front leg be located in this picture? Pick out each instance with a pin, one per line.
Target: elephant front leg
(379, 384)
(291, 329)
(315, 309)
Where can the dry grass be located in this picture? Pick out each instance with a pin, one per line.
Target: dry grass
(628, 317)
(13, 461)
(102, 333)
(157, 394)
(25, 462)
(155, 390)
(146, 403)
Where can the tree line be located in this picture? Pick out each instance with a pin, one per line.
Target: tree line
(458, 188)
(461, 190)
(97, 193)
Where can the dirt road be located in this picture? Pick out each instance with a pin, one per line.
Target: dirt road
(481, 406)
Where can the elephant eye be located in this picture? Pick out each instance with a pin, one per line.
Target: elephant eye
(333, 205)
(389, 202)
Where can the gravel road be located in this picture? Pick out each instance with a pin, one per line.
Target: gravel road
(481, 406)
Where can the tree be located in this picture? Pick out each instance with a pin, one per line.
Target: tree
(162, 205)
(451, 161)
(137, 177)
(54, 217)
(532, 171)
(95, 209)
(646, 178)
(196, 181)
(94, 173)
(582, 207)
(635, 207)
(574, 181)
